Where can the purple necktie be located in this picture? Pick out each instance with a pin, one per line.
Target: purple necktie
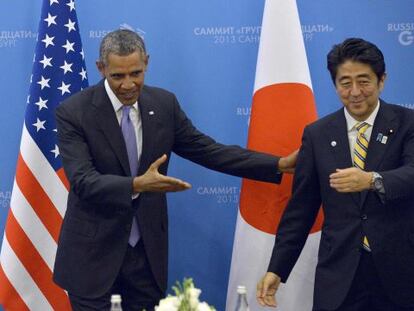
(128, 131)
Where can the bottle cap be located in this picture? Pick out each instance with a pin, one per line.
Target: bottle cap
(241, 289)
(115, 298)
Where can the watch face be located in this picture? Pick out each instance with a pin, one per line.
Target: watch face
(378, 183)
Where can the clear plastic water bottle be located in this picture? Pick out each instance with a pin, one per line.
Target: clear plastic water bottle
(116, 303)
(242, 304)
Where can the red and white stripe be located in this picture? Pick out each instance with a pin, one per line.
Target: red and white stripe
(37, 207)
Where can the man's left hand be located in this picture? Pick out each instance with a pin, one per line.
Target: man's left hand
(350, 180)
(287, 164)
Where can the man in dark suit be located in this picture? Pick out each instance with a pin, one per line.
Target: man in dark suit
(359, 164)
(115, 139)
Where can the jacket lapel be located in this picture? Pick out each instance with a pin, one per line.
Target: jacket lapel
(338, 140)
(385, 125)
(109, 125)
(339, 144)
(148, 119)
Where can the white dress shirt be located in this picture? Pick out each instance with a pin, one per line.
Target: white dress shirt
(134, 114)
(135, 117)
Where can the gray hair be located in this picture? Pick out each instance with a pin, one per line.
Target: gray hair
(121, 42)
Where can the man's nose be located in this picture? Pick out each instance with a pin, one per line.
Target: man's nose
(127, 83)
(355, 89)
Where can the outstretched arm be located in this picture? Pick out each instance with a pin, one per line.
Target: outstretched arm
(153, 181)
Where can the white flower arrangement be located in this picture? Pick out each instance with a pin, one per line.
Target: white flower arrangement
(185, 299)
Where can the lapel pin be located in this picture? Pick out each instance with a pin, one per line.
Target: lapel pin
(379, 137)
(151, 113)
(382, 138)
(333, 143)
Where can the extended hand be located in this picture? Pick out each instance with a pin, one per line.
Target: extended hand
(266, 290)
(287, 164)
(153, 181)
(350, 180)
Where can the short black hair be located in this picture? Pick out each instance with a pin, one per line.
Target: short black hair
(359, 50)
(121, 42)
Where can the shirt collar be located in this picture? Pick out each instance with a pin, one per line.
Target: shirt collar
(116, 103)
(351, 122)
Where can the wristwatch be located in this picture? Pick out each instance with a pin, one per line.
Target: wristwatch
(377, 183)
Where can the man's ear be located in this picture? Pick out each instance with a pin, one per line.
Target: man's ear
(101, 67)
(146, 61)
(381, 82)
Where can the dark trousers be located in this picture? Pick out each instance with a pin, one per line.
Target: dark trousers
(366, 292)
(135, 283)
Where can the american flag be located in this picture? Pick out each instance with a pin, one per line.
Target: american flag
(40, 188)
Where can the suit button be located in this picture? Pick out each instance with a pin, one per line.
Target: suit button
(364, 217)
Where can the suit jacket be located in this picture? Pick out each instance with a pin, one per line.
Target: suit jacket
(389, 225)
(100, 209)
